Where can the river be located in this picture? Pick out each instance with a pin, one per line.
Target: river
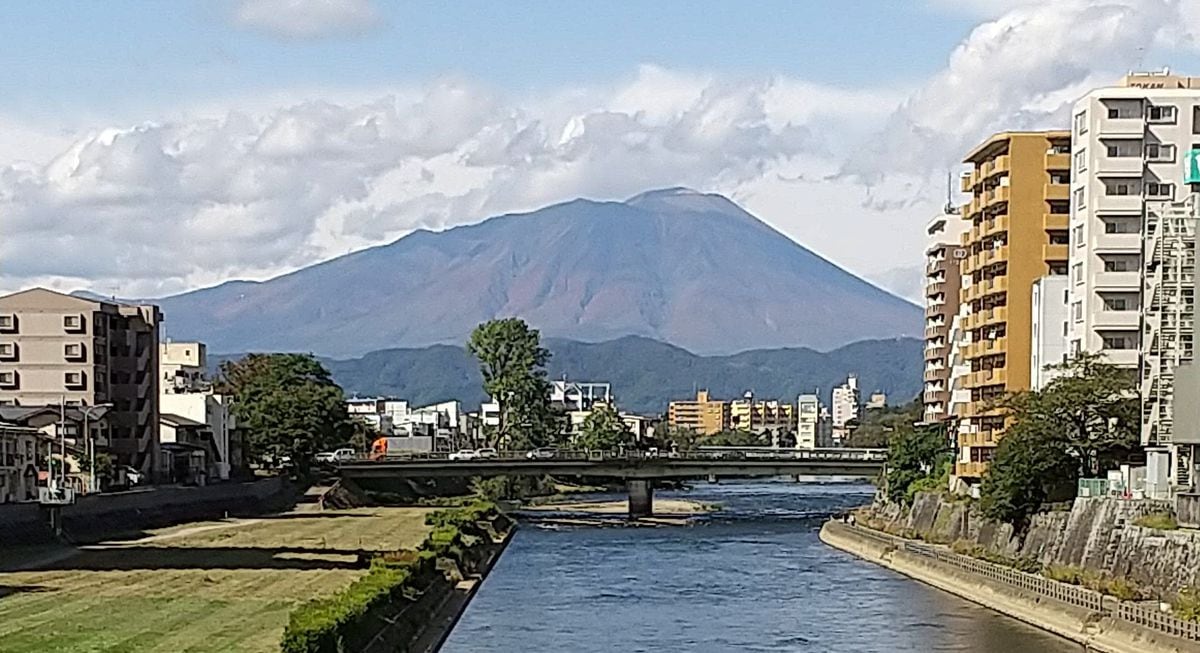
(753, 577)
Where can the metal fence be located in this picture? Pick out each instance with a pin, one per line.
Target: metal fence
(1135, 613)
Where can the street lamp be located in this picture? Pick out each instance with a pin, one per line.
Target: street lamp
(91, 443)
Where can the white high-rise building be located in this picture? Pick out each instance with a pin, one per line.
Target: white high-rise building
(812, 423)
(1127, 147)
(1051, 323)
(1168, 311)
(845, 402)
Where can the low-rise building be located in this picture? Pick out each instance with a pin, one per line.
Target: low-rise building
(846, 404)
(381, 414)
(813, 428)
(761, 416)
(189, 396)
(20, 463)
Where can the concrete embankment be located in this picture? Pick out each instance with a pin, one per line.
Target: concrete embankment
(1095, 629)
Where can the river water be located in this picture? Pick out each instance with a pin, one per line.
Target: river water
(754, 577)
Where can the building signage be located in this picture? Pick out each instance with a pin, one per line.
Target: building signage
(1191, 170)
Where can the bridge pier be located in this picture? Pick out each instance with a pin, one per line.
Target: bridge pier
(641, 497)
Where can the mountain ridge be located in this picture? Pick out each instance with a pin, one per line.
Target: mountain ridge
(675, 265)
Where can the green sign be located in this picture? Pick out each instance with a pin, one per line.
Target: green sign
(1191, 170)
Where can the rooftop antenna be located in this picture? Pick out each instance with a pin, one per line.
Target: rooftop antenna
(949, 208)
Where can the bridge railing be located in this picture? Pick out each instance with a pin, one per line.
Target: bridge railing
(701, 454)
(1146, 616)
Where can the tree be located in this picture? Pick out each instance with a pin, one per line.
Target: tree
(674, 437)
(512, 362)
(733, 438)
(916, 454)
(603, 430)
(878, 424)
(1084, 420)
(288, 404)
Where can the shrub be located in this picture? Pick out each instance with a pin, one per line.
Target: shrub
(1187, 605)
(1064, 574)
(1163, 521)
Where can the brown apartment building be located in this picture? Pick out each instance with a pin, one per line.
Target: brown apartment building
(1017, 217)
(703, 416)
(57, 348)
(944, 253)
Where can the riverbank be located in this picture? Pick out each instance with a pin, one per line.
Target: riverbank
(575, 512)
(1093, 628)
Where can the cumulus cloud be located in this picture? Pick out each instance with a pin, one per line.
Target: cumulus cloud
(852, 173)
(306, 19)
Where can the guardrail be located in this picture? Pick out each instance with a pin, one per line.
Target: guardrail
(704, 454)
(1134, 613)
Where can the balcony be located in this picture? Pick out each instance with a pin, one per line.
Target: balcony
(936, 373)
(993, 285)
(1055, 161)
(1119, 243)
(1120, 166)
(967, 180)
(969, 470)
(935, 288)
(995, 196)
(994, 255)
(936, 352)
(1121, 357)
(1118, 280)
(1122, 127)
(996, 166)
(1054, 252)
(995, 225)
(1055, 221)
(1122, 204)
(934, 310)
(1056, 191)
(984, 378)
(1118, 319)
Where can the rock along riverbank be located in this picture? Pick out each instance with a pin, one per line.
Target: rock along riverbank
(1094, 630)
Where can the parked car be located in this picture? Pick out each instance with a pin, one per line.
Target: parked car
(487, 452)
(335, 457)
(465, 454)
(542, 453)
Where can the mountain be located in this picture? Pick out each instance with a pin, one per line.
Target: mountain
(645, 374)
(674, 265)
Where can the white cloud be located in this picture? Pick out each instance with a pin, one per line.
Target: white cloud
(306, 19)
(254, 190)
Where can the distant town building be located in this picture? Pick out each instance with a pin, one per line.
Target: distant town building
(381, 414)
(878, 400)
(21, 462)
(1049, 325)
(845, 403)
(813, 429)
(641, 426)
(441, 423)
(578, 399)
(60, 348)
(703, 416)
(761, 416)
(196, 423)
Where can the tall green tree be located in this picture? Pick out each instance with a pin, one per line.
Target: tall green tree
(512, 362)
(603, 430)
(288, 404)
(916, 454)
(735, 438)
(1083, 421)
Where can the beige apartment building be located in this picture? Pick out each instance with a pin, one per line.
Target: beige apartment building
(703, 416)
(1018, 212)
(56, 348)
(759, 416)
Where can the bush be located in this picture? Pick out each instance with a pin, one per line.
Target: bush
(1187, 605)
(1163, 521)
(324, 625)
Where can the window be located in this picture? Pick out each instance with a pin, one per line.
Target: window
(8, 379)
(1195, 121)
(1161, 114)
(1118, 340)
(1058, 237)
(8, 323)
(1081, 161)
(1118, 303)
(1060, 177)
(1121, 264)
(1059, 207)
(1121, 188)
(1115, 225)
(73, 379)
(1160, 190)
(73, 351)
(1077, 311)
(1122, 149)
(8, 351)
(1077, 273)
(1081, 123)
(73, 323)
(1160, 152)
(1079, 235)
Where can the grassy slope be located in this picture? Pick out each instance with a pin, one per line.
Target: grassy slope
(194, 588)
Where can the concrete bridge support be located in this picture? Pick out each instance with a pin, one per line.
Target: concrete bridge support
(641, 497)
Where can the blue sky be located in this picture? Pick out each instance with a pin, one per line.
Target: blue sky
(155, 147)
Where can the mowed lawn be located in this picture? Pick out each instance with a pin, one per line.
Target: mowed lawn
(214, 586)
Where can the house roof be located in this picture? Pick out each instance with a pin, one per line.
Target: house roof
(18, 414)
(172, 419)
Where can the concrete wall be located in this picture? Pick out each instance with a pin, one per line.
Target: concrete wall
(1096, 533)
(103, 516)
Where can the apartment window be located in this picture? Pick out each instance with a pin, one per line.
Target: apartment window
(1114, 225)
(1081, 123)
(1077, 273)
(1081, 161)
(1161, 113)
(1058, 237)
(1122, 149)
(1121, 263)
(73, 351)
(8, 379)
(1077, 311)
(1079, 198)
(1121, 188)
(1160, 190)
(1079, 235)
(73, 323)
(73, 379)
(1118, 340)
(1160, 152)
(8, 323)
(1118, 303)
(8, 351)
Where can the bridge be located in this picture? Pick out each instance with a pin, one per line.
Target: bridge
(637, 469)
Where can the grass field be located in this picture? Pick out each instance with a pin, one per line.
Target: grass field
(214, 586)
